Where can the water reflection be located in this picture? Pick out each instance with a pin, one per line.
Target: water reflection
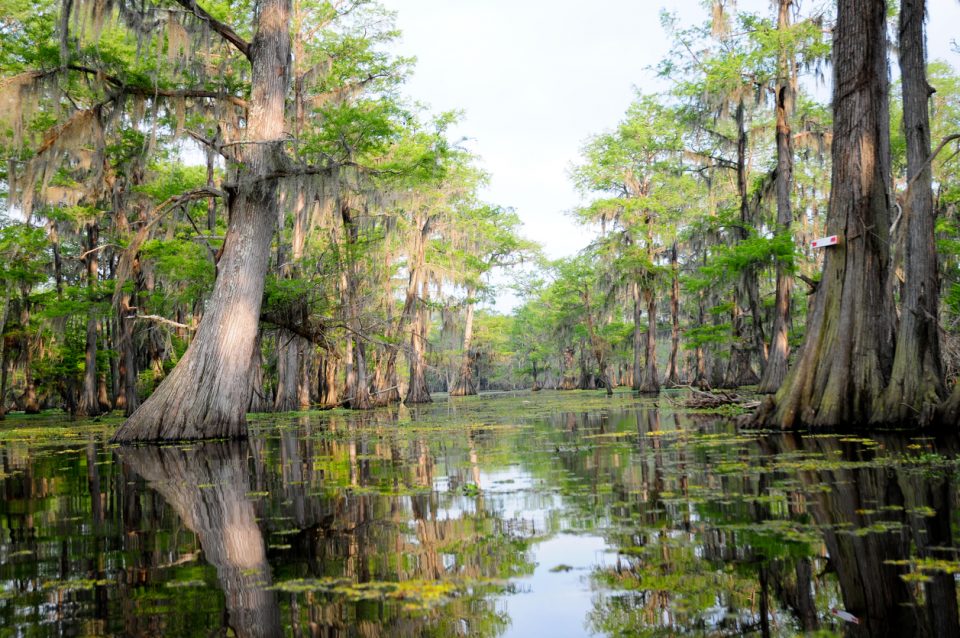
(481, 518)
(207, 486)
(876, 518)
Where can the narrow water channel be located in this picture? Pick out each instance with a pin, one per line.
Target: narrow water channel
(553, 514)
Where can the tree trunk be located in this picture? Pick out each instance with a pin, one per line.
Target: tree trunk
(584, 382)
(673, 374)
(747, 342)
(569, 381)
(598, 350)
(916, 381)
(4, 366)
(307, 359)
(89, 397)
(260, 400)
(385, 383)
(287, 397)
(207, 393)
(651, 383)
(328, 381)
(637, 337)
(465, 385)
(4, 352)
(30, 403)
(357, 386)
(739, 370)
(776, 369)
(417, 391)
(211, 202)
(848, 349)
(128, 359)
(103, 395)
(700, 378)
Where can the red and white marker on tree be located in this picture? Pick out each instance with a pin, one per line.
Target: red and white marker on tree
(823, 242)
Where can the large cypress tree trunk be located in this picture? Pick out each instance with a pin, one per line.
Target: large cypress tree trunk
(207, 394)
(848, 350)
(415, 312)
(776, 368)
(385, 383)
(916, 381)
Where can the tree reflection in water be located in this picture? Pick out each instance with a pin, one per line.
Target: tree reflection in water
(207, 486)
(732, 534)
(876, 518)
(386, 524)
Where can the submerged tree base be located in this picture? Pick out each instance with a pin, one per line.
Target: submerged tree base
(179, 411)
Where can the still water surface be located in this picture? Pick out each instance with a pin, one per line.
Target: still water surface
(554, 514)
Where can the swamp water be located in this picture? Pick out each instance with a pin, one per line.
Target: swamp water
(551, 514)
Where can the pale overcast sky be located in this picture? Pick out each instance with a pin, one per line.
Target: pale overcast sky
(535, 78)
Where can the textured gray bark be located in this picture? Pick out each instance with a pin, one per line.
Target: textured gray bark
(207, 393)
(847, 354)
(916, 381)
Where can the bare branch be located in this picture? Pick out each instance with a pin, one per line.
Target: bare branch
(162, 320)
(926, 164)
(84, 254)
(812, 283)
(224, 30)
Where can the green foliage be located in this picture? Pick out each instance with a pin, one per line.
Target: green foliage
(727, 262)
(184, 266)
(706, 335)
